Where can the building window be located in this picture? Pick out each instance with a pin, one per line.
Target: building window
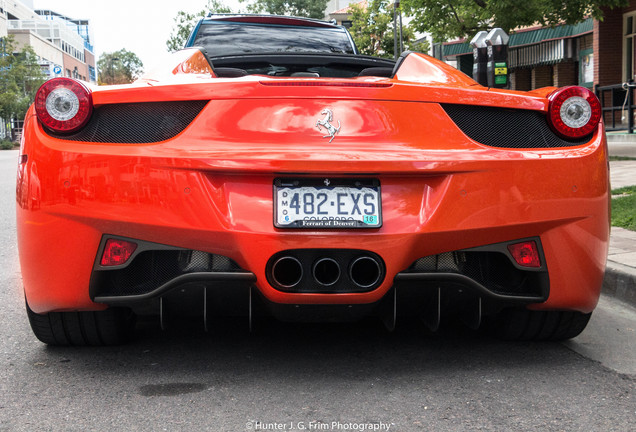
(629, 45)
(586, 68)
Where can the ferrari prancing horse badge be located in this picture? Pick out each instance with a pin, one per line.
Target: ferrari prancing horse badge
(326, 123)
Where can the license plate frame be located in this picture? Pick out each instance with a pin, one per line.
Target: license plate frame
(330, 186)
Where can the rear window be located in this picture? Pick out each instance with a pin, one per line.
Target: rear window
(223, 38)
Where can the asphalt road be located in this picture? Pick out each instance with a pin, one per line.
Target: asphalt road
(310, 377)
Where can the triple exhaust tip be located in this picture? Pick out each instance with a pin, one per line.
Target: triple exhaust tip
(364, 271)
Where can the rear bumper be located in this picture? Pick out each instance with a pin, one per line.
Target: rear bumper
(71, 194)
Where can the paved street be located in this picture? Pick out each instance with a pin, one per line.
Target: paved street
(290, 375)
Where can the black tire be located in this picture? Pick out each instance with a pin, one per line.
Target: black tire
(112, 326)
(523, 324)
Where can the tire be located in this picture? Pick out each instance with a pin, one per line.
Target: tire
(112, 326)
(526, 325)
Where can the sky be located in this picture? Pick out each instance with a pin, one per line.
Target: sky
(140, 26)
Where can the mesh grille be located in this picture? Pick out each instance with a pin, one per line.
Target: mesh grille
(151, 269)
(137, 123)
(507, 128)
(493, 270)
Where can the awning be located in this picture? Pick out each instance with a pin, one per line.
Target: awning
(549, 33)
(529, 37)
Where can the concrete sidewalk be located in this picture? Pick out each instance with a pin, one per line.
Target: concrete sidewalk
(620, 276)
(622, 144)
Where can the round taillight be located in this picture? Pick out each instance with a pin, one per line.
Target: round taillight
(573, 112)
(63, 105)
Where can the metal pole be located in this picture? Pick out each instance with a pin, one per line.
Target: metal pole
(401, 36)
(395, 36)
(630, 110)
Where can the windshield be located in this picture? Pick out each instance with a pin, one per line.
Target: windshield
(224, 38)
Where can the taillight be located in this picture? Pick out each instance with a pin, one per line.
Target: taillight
(117, 252)
(525, 253)
(573, 112)
(63, 105)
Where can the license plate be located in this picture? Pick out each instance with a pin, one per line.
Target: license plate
(327, 203)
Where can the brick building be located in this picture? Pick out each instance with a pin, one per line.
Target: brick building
(538, 56)
(600, 55)
(615, 46)
(591, 53)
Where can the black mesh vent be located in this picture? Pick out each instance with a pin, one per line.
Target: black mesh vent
(493, 270)
(507, 128)
(137, 123)
(151, 269)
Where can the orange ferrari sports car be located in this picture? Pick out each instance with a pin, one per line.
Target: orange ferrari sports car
(270, 169)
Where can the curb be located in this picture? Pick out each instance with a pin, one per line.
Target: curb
(620, 138)
(620, 282)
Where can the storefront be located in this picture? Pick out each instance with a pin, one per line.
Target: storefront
(539, 57)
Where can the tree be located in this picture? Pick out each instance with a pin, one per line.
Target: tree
(119, 67)
(372, 29)
(300, 8)
(185, 22)
(20, 78)
(464, 18)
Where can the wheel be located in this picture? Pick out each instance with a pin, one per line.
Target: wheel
(112, 326)
(523, 324)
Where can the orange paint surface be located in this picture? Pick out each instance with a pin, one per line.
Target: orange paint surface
(210, 187)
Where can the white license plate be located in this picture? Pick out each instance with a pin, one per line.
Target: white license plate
(344, 203)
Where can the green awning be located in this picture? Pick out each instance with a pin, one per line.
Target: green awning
(548, 33)
(528, 37)
(455, 49)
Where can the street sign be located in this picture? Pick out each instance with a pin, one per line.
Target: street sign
(57, 70)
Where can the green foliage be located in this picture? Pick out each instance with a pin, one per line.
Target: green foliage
(463, 18)
(624, 208)
(6, 145)
(300, 8)
(372, 30)
(20, 78)
(185, 22)
(119, 67)
(621, 158)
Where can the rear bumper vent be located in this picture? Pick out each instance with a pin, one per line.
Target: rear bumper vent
(487, 271)
(157, 269)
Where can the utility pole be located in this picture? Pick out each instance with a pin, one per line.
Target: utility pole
(395, 36)
(398, 44)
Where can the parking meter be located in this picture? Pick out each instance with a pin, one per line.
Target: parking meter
(497, 67)
(480, 58)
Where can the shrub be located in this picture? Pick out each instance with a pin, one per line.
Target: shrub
(6, 145)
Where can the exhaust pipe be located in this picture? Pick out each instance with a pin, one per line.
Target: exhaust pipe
(365, 271)
(326, 271)
(287, 272)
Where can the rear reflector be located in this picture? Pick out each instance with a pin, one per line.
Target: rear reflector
(117, 252)
(525, 254)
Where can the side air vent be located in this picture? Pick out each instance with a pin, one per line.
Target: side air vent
(137, 123)
(507, 128)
